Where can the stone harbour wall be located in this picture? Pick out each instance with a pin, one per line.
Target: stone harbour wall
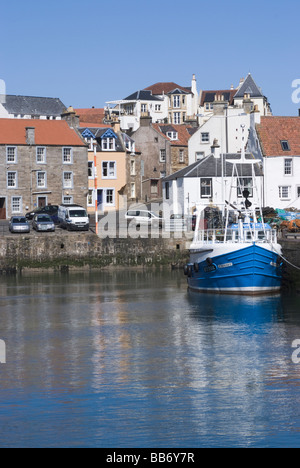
(291, 270)
(66, 251)
(87, 250)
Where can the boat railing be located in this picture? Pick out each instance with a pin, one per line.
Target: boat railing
(215, 236)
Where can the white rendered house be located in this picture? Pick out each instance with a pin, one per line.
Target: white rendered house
(278, 140)
(207, 182)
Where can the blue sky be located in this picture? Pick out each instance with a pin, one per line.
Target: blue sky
(87, 53)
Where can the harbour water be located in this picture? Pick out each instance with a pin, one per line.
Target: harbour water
(132, 359)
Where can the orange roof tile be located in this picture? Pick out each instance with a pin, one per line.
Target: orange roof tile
(91, 115)
(47, 132)
(272, 130)
(164, 88)
(84, 124)
(182, 130)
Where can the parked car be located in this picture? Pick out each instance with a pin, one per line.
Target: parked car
(142, 217)
(51, 210)
(43, 222)
(73, 218)
(19, 224)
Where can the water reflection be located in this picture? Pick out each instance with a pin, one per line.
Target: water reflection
(125, 360)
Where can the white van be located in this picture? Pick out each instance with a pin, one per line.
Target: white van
(73, 218)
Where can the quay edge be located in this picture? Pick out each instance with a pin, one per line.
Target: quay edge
(69, 251)
(291, 275)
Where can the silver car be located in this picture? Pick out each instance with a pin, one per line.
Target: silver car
(43, 222)
(19, 224)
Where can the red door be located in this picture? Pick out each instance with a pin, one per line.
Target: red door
(2, 208)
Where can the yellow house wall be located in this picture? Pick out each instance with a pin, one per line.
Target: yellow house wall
(103, 183)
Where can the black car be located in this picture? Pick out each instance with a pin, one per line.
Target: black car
(51, 210)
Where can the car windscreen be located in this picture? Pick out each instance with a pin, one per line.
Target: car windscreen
(43, 218)
(19, 220)
(78, 214)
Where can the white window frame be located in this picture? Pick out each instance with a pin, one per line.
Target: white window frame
(205, 137)
(246, 183)
(288, 168)
(67, 158)
(10, 187)
(111, 169)
(91, 169)
(177, 118)
(172, 135)
(108, 144)
(20, 205)
(176, 101)
(132, 167)
(38, 180)
(285, 192)
(15, 154)
(44, 155)
(90, 197)
(113, 203)
(162, 156)
(208, 195)
(71, 185)
(67, 199)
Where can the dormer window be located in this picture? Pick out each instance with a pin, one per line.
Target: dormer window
(285, 145)
(89, 138)
(108, 144)
(172, 135)
(108, 141)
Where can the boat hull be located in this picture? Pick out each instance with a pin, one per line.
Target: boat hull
(248, 270)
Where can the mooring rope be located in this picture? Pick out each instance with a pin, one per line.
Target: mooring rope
(285, 259)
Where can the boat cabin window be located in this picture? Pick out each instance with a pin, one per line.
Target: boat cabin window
(261, 235)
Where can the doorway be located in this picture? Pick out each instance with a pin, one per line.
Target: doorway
(2, 208)
(100, 199)
(42, 202)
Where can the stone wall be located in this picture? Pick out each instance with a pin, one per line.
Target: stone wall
(291, 251)
(72, 250)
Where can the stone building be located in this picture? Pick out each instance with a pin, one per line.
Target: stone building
(42, 162)
(164, 150)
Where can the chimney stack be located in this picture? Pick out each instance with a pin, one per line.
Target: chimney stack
(71, 118)
(215, 149)
(30, 136)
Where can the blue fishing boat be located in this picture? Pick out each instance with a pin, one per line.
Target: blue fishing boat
(242, 256)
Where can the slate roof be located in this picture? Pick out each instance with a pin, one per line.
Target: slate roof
(209, 96)
(212, 167)
(143, 95)
(47, 132)
(30, 105)
(98, 132)
(272, 130)
(249, 87)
